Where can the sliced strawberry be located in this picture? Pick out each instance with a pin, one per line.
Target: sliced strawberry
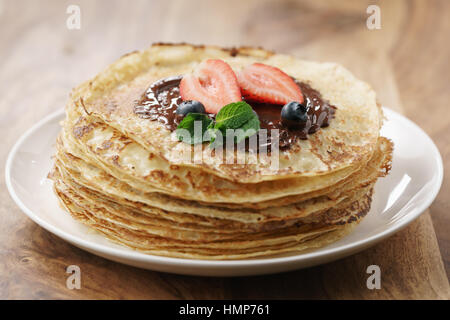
(263, 83)
(213, 83)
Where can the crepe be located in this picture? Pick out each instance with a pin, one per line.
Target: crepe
(147, 237)
(94, 178)
(122, 157)
(128, 178)
(112, 94)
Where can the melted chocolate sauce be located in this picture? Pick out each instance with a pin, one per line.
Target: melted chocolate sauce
(160, 102)
(162, 98)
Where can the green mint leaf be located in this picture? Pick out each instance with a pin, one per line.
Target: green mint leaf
(238, 116)
(193, 127)
(249, 128)
(234, 115)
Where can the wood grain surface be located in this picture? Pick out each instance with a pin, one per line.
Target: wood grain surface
(406, 61)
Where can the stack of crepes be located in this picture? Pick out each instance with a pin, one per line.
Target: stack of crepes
(121, 174)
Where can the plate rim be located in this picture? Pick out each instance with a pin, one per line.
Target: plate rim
(129, 254)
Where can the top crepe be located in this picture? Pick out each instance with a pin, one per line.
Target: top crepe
(350, 138)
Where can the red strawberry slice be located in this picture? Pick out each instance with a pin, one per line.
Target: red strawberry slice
(263, 83)
(213, 83)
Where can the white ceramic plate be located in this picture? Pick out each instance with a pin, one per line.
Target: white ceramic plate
(400, 198)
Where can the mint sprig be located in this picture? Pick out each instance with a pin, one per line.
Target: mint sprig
(237, 117)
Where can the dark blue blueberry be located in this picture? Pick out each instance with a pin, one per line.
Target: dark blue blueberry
(293, 114)
(190, 106)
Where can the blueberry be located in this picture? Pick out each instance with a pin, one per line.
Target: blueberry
(190, 106)
(294, 114)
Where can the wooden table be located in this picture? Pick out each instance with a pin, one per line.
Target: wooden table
(406, 61)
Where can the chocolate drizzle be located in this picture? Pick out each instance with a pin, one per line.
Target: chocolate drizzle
(162, 98)
(160, 102)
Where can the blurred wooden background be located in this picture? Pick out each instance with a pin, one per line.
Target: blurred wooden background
(406, 61)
